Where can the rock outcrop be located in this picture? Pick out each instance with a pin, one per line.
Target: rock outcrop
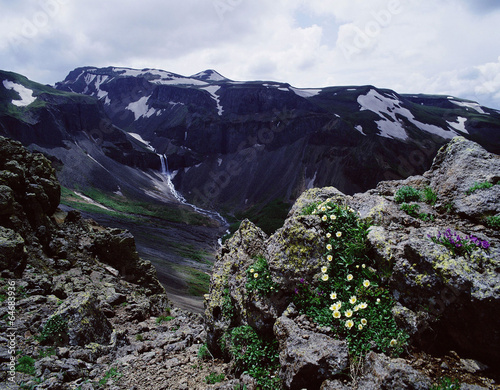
(445, 297)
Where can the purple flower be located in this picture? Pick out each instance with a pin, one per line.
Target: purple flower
(485, 244)
(296, 290)
(302, 280)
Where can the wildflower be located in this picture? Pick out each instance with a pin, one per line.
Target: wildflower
(333, 295)
(336, 314)
(349, 277)
(324, 269)
(363, 305)
(349, 324)
(333, 217)
(338, 234)
(329, 247)
(302, 280)
(393, 343)
(348, 313)
(352, 301)
(364, 321)
(252, 270)
(356, 308)
(324, 277)
(324, 218)
(363, 265)
(256, 275)
(296, 290)
(333, 307)
(339, 305)
(485, 244)
(378, 301)
(329, 257)
(366, 283)
(360, 327)
(323, 208)
(328, 235)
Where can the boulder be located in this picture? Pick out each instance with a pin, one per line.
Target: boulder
(12, 253)
(308, 358)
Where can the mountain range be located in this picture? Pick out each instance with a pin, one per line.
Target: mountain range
(230, 145)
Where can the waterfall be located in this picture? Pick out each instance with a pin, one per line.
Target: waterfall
(164, 165)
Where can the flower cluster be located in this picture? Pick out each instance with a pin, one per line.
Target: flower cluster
(457, 244)
(346, 294)
(259, 278)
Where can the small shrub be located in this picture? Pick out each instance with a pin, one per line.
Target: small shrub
(227, 309)
(112, 374)
(203, 352)
(446, 383)
(255, 356)
(161, 319)
(478, 186)
(26, 364)
(259, 278)
(429, 196)
(54, 331)
(493, 222)
(407, 194)
(139, 337)
(413, 210)
(214, 378)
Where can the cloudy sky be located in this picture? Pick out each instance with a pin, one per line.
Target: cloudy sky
(447, 47)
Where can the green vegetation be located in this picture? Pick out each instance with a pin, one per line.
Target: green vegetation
(413, 210)
(446, 383)
(203, 352)
(112, 375)
(493, 222)
(429, 196)
(161, 319)
(54, 331)
(123, 207)
(26, 365)
(254, 355)
(407, 194)
(190, 252)
(478, 186)
(139, 337)
(227, 304)
(259, 278)
(349, 297)
(214, 378)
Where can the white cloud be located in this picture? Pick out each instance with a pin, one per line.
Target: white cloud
(448, 47)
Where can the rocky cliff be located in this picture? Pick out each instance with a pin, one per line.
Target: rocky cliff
(353, 292)
(349, 283)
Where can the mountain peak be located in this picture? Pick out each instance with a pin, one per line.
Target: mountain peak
(209, 75)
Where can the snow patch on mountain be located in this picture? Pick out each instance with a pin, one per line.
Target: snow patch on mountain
(140, 108)
(459, 124)
(142, 141)
(25, 93)
(212, 89)
(472, 105)
(209, 75)
(389, 108)
(306, 92)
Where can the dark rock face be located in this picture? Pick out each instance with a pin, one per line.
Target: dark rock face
(446, 300)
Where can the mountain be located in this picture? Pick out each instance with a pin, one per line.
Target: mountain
(235, 145)
(75, 131)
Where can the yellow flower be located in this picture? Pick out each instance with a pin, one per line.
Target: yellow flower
(336, 314)
(333, 307)
(324, 218)
(324, 269)
(349, 277)
(333, 295)
(338, 234)
(366, 283)
(393, 343)
(348, 313)
(352, 301)
(323, 208)
(364, 321)
(328, 235)
(363, 305)
(329, 257)
(329, 247)
(324, 277)
(360, 327)
(349, 324)
(333, 217)
(256, 275)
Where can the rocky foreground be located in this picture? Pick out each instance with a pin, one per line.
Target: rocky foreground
(90, 314)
